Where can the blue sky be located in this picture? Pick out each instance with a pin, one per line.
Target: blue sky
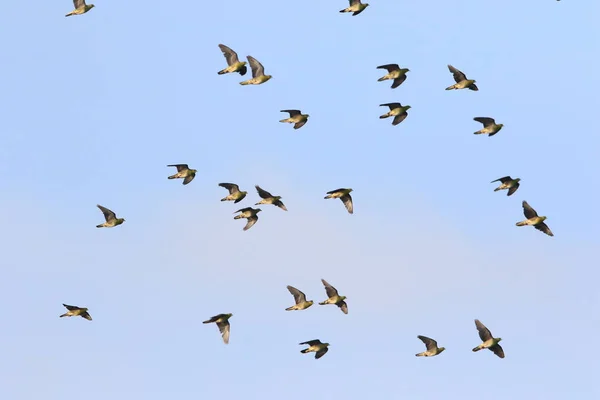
(95, 106)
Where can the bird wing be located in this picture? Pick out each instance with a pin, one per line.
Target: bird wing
(188, 179)
(86, 315)
(485, 121)
(528, 210)
(544, 228)
(79, 3)
(513, 189)
(498, 350)
(343, 306)
(263, 193)
(312, 342)
(331, 291)
(504, 179)
(299, 297)
(299, 125)
(398, 81)
(335, 191)
(180, 167)
(70, 308)
(347, 200)
(251, 221)
(354, 2)
(389, 67)
(224, 328)
(232, 187)
(243, 210)
(399, 118)
(458, 75)
(280, 204)
(292, 112)
(321, 352)
(212, 319)
(484, 333)
(108, 215)
(391, 105)
(230, 55)
(257, 68)
(430, 344)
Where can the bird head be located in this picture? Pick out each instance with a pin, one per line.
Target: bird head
(193, 171)
(92, 6)
(244, 193)
(343, 297)
(229, 315)
(366, 5)
(258, 210)
(405, 70)
(326, 344)
(121, 220)
(543, 218)
(500, 125)
(268, 76)
(349, 190)
(517, 179)
(473, 80)
(441, 349)
(243, 63)
(407, 108)
(498, 339)
(277, 197)
(307, 115)
(310, 302)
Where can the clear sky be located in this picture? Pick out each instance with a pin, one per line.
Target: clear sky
(95, 106)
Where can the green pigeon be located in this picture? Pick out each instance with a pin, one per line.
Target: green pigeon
(110, 217)
(250, 214)
(489, 341)
(75, 311)
(356, 7)
(394, 72)
(80, 8)
(234, 64)
(183, 171)
(296, 118)
(258, 73)
(334, 297)
(432, 348)
(461, 80)
(344, 196)
(315, 346)
(268, 198)
(299, 298)
(507, 183)
(235, 194)
(222, 321)
(535, 220)
(397, 110)
(489, 126)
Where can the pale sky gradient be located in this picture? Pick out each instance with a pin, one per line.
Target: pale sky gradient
(95, 106)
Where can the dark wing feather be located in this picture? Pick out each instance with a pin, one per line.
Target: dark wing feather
(299, 297)
(347, 200)
(87, 316)
(485, 121)
(389, 67)
(180, 167)
(399, 118)
(430, 344)
(263, 193)
(343, 306)
(513, 189)
(257, 68)
(312, 342)
(484, 333)
(528, 210)
(230, 55)
(292, 112)
(504, 179)
(331, 291)
(224, 328)
(70, 308)
(391, 105)
(544, 228)
(398, 81)
(78, 3)
(498, 350)
(108, 214)
(232, 187)
(251, 221)
(335, 191)
(457, 74)
(321, 352)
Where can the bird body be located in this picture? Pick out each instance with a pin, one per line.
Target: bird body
(315, 346)
(235, 194)
(233, 63)
(80, 8)
(74, 311)
(258, 73)
(488, 340)
(356, 7)
(268, 198)
(489, 126)
(222, 321)
(334, 297)
(296, 118)
(397, 74)
(397, 110)
(110, 217)
(184, 172)
(344, 196)
(250, 214)
(432, 348)
(507, 183)
(299, 298)
(533, 219)
(461, 80)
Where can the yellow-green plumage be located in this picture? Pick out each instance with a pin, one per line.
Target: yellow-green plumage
(184, 172)
(258, 73)
(110, 217)
(222, 321)
(80, 8)
(344, 196)
(461, 80)
(235, 194)
(489, 126)
(334, 297)
(250, 214)
(507, 183)
(74, 311)
(432, 347)
(268, 198)
(296, 118)
(299, 298)
(315, 346)
(397, 110)
(533, 219)
(397, 74)
(233, 63)
(356, 7)
(489, 341)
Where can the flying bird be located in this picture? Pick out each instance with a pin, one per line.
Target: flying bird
(489, 341)
(183, 171)
(234, 64)
(394, 72)
(315, 346)
(397, 110)
(489, 126)
(74, 311)
(432, 348)
(507, 183)
(535, 220)
(250, 214)
(356, 7)
(299, 298)
(222, 321)
(268, 198)
(110, 217)
(80, 8)
(334, 297)
(461, 80)
(235, 194)
(344, 196)
(296, 118)
(258, 73)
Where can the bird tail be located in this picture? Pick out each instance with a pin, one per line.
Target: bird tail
(238, 217)
(328, 196)
(223, 71)
(420, 354)
(383, 78)
(304, 351)
(498, 188)
(522, 223)
(224, 199)
(285, 120)
(69, 14)
(100, 226)
(323, 303)
(384, 115)
(172, 176)
(344, 10)
(451, 87)
(477, 348)
(244, 83)
(478, 132)
(290, 308)
(206, 322)
(65, 315)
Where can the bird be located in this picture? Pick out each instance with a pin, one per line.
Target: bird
(397, 110)
(394, 72)
(110, 217)
(299, 298)
(489, 126)
(461, 80)
(222, 321)
(258, 73)
(235, 194)
(80, 8)
(431, 345)
(344, 196)
(183, 171)
(75, 311)
(334, 297)
(507, 183)
(233, 62)
(356, 7)
(489, 341)
(250, 214)
(268, 198)
(296, 118)
(535, 220)
(315, 346)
